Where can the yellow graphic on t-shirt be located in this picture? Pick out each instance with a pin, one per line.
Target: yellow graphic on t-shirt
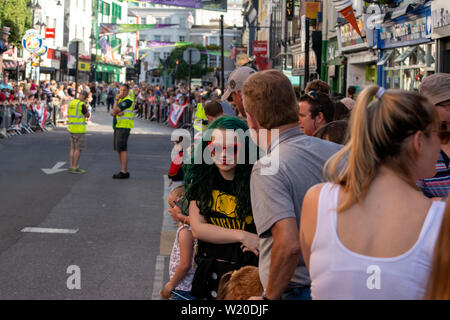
(225, 204)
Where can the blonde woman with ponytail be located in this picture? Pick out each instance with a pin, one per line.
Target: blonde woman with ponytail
(370, 232)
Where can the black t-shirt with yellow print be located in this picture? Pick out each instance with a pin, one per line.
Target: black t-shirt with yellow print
(223, 214)
(214, 260)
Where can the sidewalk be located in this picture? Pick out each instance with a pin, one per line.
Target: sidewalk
(101, 121)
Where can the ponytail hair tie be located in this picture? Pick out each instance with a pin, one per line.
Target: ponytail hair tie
(380, 93)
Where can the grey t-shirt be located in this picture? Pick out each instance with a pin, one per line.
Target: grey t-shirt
(279, 195)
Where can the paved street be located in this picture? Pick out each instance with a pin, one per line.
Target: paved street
(119, 238)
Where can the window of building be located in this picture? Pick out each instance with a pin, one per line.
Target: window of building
(106, 8)
(212, 61)
(167, 38)
(117, 11)
(143, 20)
(157, 38)
(158, 20)
(167, 20)
(166, 55)
(182, 38)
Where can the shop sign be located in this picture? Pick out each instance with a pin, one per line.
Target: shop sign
(260, 51)
(298, 68)
(349, 37)
(413, 29)
(440, 18)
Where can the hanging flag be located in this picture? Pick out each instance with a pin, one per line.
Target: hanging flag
(103, 43)
(175, 114)
(345, 7)
(214, 5)
(114, 28)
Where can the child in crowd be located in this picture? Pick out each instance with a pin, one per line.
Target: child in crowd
(240, 284)
(175, 171)
(181, 266)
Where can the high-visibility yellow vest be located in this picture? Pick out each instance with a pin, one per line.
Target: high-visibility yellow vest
(127, 119)
(76, 119)
(199, 116)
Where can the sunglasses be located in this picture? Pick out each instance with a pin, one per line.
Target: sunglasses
(313, 95)
(232, 149)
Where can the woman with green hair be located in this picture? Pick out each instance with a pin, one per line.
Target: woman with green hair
(220, 210)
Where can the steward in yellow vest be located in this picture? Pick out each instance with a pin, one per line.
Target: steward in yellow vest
(123, 122)
(77, 114)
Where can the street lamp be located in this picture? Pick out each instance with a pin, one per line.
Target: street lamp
(35, 7)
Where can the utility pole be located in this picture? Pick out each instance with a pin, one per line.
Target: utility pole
(307, 41)
(222, 58)
(76, 67)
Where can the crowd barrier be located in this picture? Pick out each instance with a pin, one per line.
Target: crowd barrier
(16, 120)
(159, 112)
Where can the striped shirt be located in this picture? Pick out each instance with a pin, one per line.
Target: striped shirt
(439, 185)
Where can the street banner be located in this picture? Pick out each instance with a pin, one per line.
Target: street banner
(49, 33)
(175, 114)
(214, 5)
(114, 28)
(165, 44)
(345, 7)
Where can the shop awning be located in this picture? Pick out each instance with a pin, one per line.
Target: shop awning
(12, 64)
(405, 54)
(386, 56)
(107, 68)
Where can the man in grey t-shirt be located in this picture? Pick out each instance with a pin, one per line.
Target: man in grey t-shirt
(279, 181)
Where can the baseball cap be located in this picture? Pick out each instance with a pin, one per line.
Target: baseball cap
(436, 88)
(236, 80)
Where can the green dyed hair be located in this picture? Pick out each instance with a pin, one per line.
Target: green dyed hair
(199, 178)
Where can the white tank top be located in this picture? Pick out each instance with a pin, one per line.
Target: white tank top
(338, 273)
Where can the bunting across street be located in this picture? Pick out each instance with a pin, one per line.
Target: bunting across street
(214, 5)
(114, 28)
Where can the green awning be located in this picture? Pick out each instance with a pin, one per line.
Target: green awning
(107, 68)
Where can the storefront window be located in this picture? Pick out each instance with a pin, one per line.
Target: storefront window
(409, 65)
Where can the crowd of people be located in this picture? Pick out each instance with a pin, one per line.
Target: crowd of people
(354, 210)
(353, 206)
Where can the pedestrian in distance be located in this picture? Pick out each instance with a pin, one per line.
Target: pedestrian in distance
(369, 233)
(123, 122)
(77, 115)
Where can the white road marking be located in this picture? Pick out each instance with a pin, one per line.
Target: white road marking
(49, 230)
(159, 277)
(55, 169)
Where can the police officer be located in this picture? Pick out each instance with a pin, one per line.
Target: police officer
(77, 114)
(123, 122)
